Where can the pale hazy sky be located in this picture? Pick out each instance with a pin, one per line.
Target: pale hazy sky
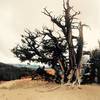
(16, 15)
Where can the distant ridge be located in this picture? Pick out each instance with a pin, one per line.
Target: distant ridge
(34, 66)
(11, 72)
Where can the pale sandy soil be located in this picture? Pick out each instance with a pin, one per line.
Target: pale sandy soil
(38, 90)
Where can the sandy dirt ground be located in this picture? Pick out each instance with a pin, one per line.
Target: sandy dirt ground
(26, 89)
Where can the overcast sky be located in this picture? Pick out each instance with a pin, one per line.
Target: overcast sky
(16, 15)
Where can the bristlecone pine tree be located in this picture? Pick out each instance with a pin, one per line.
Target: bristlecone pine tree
(60, 49)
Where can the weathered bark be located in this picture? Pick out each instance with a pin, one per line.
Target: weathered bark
(80, 45)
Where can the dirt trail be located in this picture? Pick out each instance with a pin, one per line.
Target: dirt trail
(39, 90)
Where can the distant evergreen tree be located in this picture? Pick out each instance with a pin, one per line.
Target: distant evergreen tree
(95, 64)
